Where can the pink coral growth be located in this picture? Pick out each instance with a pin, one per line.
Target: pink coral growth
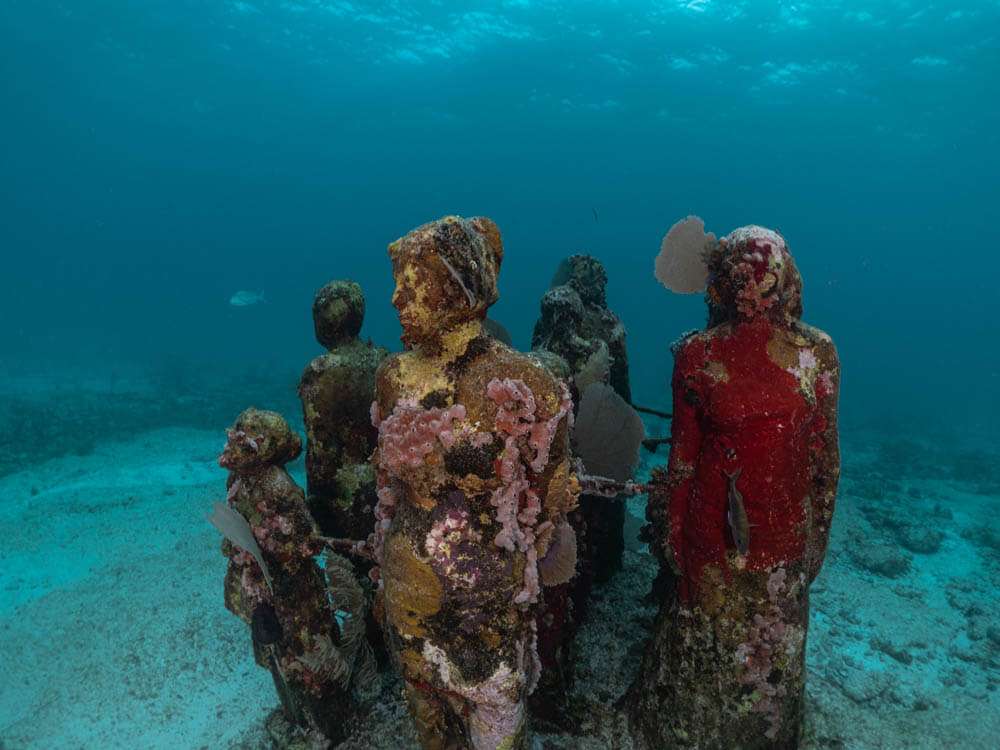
(807, 359)
(497, 706)
(409, 434)
(405, 439)
(768, 639)
(385, 509)
(270, 529)
(529, 594)
(776, 584)
(516, 416)
(517, 405)
(751, 299)
(517, 505)
(252, 583)
(824, 384)
(442, 542)
(763, 258)
(506, 500)
(543, 433)
(535, 673)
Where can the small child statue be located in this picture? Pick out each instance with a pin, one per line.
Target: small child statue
(474, 487)
(742, 514)
(274, 584)
(336, 390)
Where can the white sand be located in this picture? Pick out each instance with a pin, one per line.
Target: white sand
(111, 609)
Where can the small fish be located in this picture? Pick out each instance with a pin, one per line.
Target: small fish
(596, 220)
(245, 299)
(736, 515)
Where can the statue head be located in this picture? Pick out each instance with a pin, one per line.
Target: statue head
(338, 312)
(257, 439)
(587, 276)
(561, 310)
(446, 275)
(752, 275)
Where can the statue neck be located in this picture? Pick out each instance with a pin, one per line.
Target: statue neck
(453, 342)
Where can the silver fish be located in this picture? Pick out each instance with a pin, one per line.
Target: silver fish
(245, 299)
(736, 514)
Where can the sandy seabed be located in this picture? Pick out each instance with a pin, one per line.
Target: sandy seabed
(114, 634)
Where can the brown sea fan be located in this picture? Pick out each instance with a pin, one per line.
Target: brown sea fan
(607, 433)
(349, 599)
(595, 370)
(559, 564)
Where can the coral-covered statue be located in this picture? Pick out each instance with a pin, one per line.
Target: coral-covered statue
(742, 514)
(593, 321)
(576, 323)
(576, 328)
(336, 390)
(474, 486)
(274, 584)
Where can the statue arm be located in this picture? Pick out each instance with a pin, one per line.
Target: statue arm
(384, 507)
(685, 448)
(558, 469)
(825, 457)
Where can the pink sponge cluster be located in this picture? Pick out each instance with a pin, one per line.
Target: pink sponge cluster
(385, 510)
(543, 433)
(405, 439)
(518, 506)
(752, 299)
(516, 416)
(409, 434)
(516, 402)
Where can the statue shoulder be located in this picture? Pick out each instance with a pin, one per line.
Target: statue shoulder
(387, 380)
(819, 340)
(325, 365)
(548, 390)
(691, 346)
(390, 365)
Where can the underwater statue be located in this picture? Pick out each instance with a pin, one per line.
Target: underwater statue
(576, 324)
(586, 276)
(276, 587)
(474, 487)
(742, 514)
(336, 390)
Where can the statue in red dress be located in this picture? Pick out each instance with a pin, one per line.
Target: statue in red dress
(741, 515)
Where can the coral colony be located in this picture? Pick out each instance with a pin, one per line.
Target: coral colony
(478, 490)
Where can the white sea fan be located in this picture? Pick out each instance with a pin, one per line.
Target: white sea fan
(680, 266)
(235, 528)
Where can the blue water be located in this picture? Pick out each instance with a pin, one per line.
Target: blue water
(159, 155)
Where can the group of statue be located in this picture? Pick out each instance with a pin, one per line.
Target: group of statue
(463, 498)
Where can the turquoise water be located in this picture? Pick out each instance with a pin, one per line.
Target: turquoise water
(159, 156)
